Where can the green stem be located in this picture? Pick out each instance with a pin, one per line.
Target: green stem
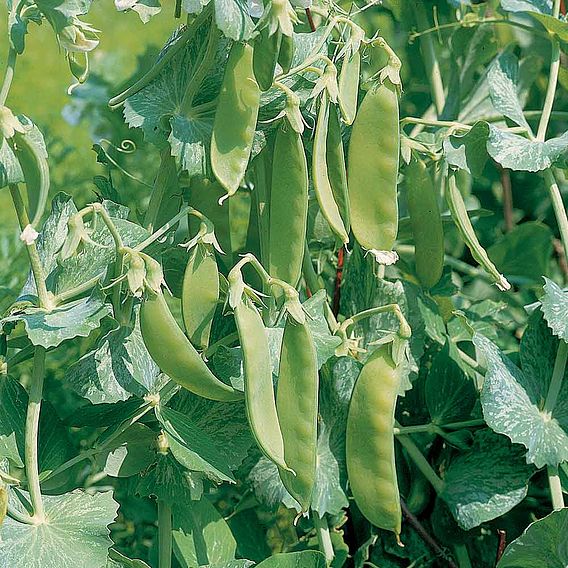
(164, 534)
(45, 300)
(8, 75)
(20, 517)
(462, 556)
(393, 308)
(555, 488)
(558, 206)
(552, 81)
(557, 377)
(430, 59)
(430, 428)
(421, 462)
(227, 340)
(324, 538)
(31, 436)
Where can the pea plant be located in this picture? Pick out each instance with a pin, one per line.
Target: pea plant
(329, 329)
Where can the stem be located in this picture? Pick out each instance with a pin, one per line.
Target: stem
(462, 556)
(324, 538)
(555, 488)
(31, 437)
(430, 60)
(421, 462)
(507, 198)
(45, 301)
(552, 81)
(20, 517)
(405, 430)
(164, 534)
(558, 206)
(224, 341)
(557, 376)
(8, 75)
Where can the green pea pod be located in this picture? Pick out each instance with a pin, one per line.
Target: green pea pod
(204, 196)
(235, 119)
(200, 294)
(322, 185)
(336, 166)
(3, 501)
(349, 86)
(176, 356)
(420, 494)
(266, 50)
(426, 223)
(370, 441)
(286, 55)
(297, 404)
(373, 169)
(33, 161)
(461, 219)
(288, 206)
(259, 390)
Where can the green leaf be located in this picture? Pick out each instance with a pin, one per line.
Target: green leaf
(303, 559)
(75, 319)
(10, 170)
(192, 447)
(74, 533)
(130, 453)
(146, 9)
(503, 78)
(515, 152)
(118, 560)
(201, 535)
(433, 322)
(486, 481)
(542, 545)
(538, 6)
(523, 255)
(468, 151)
(12, 420)
(450, 394)
(512, 404)
(232, 18)
(554, 306)
(118, 367)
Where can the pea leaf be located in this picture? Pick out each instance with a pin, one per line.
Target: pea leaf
(74, 533)
(512, 398)
(503, 78)
(468, 151)
(201, 536)
(540, 6)
(303, 559)
(61, 13)
(118, 367)
(518, 153)
(510, 253)
(555, 308)
(486, 481)
(542, 545)
(118, 560)
(75, 319)
(10, 170)
(232, 18)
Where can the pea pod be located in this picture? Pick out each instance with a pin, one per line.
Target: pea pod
(373, 169)
(200, 294)
(266, 50)
(426, 223)
(322, 185)
(370, 441)
(336, 167)
(465, 228)
(176, 356)
(3, 501)
(349, 86)
(288, 206)
(297, 404)
(286, 55)
(33, 161)
(259, 391)
(235, 119)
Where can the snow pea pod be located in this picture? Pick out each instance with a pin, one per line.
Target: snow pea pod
(297, 404)
(373, 169)
(286, 55)
(349, 86)
(235, 119)
(288, 206)
(461, 219)
(176, 356)
(266, 50)
(200, 294)
(336, 166)
(33, 161)
(322, 185)
(259, 391)
(426, 223)
(370, 441)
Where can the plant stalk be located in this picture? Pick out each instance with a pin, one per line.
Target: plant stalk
(324, 538)
(164, 534)
(8, 75)
(555, 488)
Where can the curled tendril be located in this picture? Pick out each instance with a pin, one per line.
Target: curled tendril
(126, 147)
